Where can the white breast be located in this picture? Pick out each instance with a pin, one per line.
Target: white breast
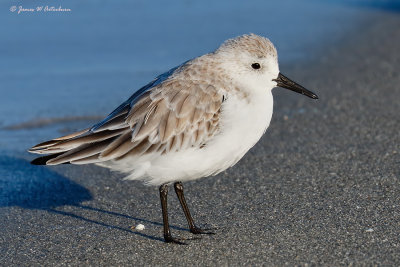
(243, 122)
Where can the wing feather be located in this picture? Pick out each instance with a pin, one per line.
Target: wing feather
(37, 149)
(118, 145)
(178, 117)
(80, 152)
(170, 127)
(114, 123)
(167, 115)
(187, 106)
(153, 120)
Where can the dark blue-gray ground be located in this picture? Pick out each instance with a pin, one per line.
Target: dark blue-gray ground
(322, 186)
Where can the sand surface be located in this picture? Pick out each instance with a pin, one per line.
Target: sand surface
(321, 187)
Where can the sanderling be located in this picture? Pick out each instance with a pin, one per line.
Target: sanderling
(195, 120)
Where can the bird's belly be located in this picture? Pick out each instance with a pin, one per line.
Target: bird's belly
(242, 123)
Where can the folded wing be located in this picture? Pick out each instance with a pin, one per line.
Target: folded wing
(166, 117)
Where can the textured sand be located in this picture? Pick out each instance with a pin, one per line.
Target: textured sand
(322, 186)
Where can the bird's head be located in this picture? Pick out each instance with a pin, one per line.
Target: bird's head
(252, 61)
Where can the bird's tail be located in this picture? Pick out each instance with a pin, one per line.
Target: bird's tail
(78, 148)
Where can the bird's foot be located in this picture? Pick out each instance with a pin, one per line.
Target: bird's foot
(178, 241)
(198, 231)
(170, 239)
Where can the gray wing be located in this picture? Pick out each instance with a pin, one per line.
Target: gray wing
(134, 98)
(169, 114)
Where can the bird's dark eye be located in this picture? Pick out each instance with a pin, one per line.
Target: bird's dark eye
(255, 66)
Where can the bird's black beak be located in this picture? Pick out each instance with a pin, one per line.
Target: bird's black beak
(285, 82)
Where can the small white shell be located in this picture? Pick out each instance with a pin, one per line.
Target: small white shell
(140, 227)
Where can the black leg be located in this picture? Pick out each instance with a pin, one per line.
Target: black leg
(167, 232)
(193, 228)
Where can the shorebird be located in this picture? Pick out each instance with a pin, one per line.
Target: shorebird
(193, 121)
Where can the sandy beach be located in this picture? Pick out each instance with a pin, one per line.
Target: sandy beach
(321, 187)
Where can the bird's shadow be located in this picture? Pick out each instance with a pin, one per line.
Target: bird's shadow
(37, 187)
